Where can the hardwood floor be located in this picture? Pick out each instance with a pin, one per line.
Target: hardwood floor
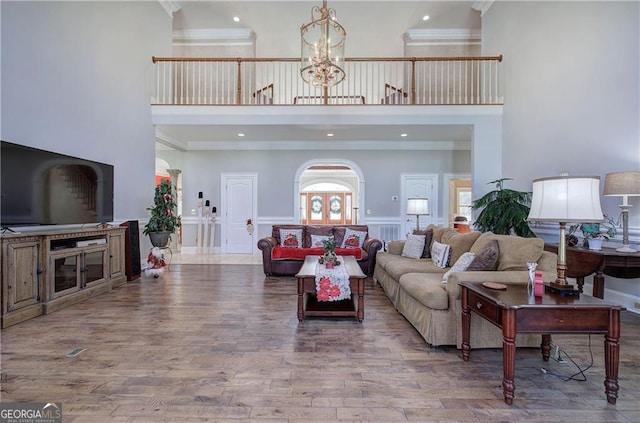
(222, 343)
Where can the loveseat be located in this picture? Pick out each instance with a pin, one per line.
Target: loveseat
(285, 250)
(432, 305)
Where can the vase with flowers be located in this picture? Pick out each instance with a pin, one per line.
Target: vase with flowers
(163, 221)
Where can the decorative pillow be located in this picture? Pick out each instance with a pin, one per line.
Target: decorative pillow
(487, 258)
(440, 254)
(428, 237)
(316, 240)
(353, 239)
(291, 238)
(413, 246)
(460, 266)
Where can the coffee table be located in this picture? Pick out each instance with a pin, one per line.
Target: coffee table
(308, 305)
(516, 311)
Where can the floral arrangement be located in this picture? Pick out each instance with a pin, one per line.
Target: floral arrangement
(604, 230)
(162, 216)
(329, 245)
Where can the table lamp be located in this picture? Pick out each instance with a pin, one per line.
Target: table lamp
(624, 184)
(565, 199)
(417, 206)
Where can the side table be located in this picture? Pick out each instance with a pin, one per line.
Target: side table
(515, 310)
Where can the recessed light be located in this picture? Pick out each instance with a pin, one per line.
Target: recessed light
(403, 135)
(425, 18)
(241, 135)
(329, 134)
(236, 18)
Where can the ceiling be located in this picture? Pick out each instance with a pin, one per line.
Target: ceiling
(374, 29)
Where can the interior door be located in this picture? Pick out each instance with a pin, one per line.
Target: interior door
(424, 186)
(238, 205)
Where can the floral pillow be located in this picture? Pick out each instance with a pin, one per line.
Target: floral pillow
(353, 239)
(317, 240)
(291, 238)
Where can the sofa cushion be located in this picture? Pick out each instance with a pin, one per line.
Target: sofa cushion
(428, 236)
(414, 246)
(322, 230)
(426, 289)
(353, 239)
(440, 254)
(398, 266)
(460, 265)
(283, 253)
(515, 251)
(487, 258)
(460, 243)
(438, 231)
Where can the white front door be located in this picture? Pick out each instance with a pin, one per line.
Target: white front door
(419, 185)
(238, 204)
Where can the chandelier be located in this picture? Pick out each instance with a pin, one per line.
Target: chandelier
(322, 48)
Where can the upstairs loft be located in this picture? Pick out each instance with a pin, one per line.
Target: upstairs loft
(210, 94)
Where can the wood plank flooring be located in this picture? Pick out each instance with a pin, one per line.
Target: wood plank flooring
(222, 343)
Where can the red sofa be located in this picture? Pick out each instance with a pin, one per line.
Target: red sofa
(280, 260)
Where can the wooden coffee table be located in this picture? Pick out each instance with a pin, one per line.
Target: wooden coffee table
(515, 311)
(308, 305)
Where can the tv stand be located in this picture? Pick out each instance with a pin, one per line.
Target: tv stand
(45, 271)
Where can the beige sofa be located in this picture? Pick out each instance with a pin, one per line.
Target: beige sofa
(415, 285)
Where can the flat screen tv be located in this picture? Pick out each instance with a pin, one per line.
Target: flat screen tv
(40, 187)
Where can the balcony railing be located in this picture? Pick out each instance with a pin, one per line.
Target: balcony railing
(256, 81)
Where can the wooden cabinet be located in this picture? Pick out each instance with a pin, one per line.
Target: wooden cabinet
(45, 271)
(22, 282)
(117, 268)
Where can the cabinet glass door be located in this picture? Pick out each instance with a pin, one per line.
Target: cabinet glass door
(94, 266)
(66, 277)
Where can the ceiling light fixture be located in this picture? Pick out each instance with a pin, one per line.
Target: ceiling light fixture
(236, 19)
(329, 134)
(403, 135)
(322, 48)
(241, 135)
(425, 18)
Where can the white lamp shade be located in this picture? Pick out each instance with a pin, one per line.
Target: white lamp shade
(622, 183)
(418, 206)
(566, 199)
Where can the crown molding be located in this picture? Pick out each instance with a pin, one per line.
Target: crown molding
(462, 36)
(482, 6)
(212, 34)
(330, 145)
(166, 140)
(171, 7)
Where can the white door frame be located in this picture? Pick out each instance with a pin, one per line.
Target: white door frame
(446, 180)
(222, 213)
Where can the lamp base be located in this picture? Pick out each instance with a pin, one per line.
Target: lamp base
(626, 249)
(561, 288)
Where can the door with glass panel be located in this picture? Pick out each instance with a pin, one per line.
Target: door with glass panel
(326, 208)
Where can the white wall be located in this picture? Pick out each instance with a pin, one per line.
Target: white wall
(75, 80)
(572, 94)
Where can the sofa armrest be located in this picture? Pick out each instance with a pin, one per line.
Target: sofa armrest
(506, 277)
(371, 246)
(266, 245)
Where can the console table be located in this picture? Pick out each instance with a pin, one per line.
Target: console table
(515, 310)
(583, 262)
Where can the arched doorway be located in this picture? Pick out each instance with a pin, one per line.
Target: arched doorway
(328, 192)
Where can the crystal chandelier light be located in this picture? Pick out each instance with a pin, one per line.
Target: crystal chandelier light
(322, 48)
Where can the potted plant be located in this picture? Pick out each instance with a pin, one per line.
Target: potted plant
(163, 222)
(504, 211)
(329, 258)
(594, 233)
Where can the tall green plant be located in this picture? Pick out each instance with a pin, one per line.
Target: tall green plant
(504, 211)
(162, 216)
